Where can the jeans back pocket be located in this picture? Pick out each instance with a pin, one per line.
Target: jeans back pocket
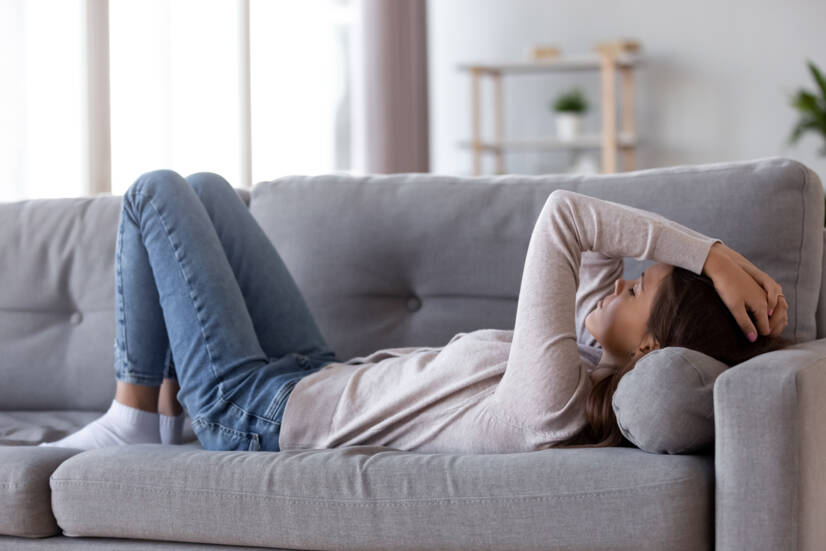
(215, 436)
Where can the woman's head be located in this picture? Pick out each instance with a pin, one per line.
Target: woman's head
(620, 322)
(667, 306)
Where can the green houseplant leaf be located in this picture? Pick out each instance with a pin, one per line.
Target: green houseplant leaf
(572, 101)
(812, 108)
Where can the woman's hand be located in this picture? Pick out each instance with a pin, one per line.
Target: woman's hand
(743, 287)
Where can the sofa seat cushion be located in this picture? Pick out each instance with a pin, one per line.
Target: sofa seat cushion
(25, 497)
(26, 428)
(63, 543)
(373, 497)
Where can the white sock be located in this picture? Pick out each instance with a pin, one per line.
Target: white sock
(119, 426)
(172, 428)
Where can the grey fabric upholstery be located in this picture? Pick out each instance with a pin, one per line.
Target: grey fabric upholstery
(25, 497)
(366, 497)
(113, 544)
(770, 458)
(410, 260)
(57, 317)
(666, 403)
(821, 303)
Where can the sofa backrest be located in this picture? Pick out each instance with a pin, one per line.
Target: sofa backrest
(384, 260)
(57, 302)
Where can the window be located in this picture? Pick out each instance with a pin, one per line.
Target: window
(252, 90)
(43, 150)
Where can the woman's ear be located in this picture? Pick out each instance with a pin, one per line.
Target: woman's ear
(648, 344)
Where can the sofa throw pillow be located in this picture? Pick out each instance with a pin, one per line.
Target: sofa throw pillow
(666, 403)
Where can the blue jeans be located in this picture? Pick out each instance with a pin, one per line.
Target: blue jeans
(202, 295)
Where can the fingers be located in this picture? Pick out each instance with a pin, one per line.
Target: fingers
(780, 316)
(745, 323)
(761, 316)
(772, 297)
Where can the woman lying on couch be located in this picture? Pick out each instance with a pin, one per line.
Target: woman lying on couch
(206, 308)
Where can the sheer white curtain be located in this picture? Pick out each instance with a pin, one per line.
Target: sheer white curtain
(43, 130)
(180, 97)
(175, 88)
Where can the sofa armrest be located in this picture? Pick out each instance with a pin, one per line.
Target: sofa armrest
(770, 451)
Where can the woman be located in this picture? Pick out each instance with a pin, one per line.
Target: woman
(202, 296)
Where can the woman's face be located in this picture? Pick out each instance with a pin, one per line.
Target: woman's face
(620, 322)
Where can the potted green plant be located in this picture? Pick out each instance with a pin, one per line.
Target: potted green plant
(812, 109)
(570, 107)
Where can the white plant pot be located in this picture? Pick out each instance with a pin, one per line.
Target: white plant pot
(568, 125)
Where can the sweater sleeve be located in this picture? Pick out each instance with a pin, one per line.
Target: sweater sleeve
(545, 383)
(597, 275)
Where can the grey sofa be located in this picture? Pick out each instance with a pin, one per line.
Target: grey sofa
(409, 260)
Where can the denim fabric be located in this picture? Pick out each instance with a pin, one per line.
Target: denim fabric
(202, 295)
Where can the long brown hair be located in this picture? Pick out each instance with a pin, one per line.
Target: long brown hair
(687, 312)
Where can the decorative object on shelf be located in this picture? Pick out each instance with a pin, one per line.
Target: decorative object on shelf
(540, 52)
(614, 139)
(812, 108)
(570, 107)
(617, 47)
(584, 163)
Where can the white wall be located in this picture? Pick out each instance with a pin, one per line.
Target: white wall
(713, 86)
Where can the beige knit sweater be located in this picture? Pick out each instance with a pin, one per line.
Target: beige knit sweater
(496, 390)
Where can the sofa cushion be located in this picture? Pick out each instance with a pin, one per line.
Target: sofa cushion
(666, 403)
(372, 497)
(26, 428)
(25, 497)
(63, 543)
(57, 306)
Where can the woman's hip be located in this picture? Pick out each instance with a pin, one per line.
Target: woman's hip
(247, 412)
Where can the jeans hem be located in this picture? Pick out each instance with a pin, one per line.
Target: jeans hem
(136, 379)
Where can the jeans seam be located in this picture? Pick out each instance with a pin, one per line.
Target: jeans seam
(274, 405)
(121, 317)
(189, 285)
(124, 371)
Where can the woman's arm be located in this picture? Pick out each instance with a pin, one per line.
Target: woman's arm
(597, 275)
(545, 381)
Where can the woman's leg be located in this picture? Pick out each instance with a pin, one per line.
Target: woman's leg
(140, 350)
(171, 414)
(282, 320)
(233, 390)
(230, 386)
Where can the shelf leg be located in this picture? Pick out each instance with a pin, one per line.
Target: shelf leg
(609, 114)
(500, 124)
(475, 113)
(628, 117)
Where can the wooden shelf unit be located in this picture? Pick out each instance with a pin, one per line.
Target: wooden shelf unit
(609, 140)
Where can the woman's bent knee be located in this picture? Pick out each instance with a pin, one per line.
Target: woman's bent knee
(154, 182)
(209, 185)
